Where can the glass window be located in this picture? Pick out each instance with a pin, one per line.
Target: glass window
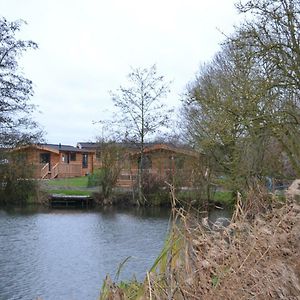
(73, 156)
(84, 160)
(44, 158)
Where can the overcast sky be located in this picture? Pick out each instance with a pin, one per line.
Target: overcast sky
(86, 48)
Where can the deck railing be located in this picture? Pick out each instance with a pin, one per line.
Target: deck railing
(55, 171)
(128, 177)
(69, 170)
(45, 170)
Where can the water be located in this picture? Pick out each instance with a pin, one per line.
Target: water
(62, 254)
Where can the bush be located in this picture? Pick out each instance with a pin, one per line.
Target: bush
(94, 179)
(17, 185)
(155, 189)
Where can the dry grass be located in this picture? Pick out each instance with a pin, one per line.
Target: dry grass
(256, 257)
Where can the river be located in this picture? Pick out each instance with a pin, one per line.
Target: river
(63, 254)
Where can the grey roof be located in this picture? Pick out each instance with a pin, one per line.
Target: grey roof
(66, 148)
(95, 145)
(128, 145)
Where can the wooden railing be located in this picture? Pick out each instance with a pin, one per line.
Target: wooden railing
(55, 171)
(69, 170)
(128, 177)
(45, 170)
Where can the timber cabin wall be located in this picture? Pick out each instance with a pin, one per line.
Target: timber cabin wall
(68, 167)
(33, 157)
(74, 168)
(164, 164)
(62, 161)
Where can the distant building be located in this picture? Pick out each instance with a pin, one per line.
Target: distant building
(61, 161)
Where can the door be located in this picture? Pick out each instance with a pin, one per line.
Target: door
(45, 159)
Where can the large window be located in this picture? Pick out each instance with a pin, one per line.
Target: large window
(85, 160)
(73, 156)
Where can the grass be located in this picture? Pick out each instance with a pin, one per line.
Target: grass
(70, 192)
(221, 197)
(79, 182)
(224, 197)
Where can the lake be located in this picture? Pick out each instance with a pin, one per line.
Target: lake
(63, 254)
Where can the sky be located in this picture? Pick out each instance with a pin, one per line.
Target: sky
(87, 48)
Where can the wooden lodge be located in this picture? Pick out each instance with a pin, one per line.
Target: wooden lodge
(58, 161)
(160, 160)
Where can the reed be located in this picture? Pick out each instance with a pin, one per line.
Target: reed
(256, 257)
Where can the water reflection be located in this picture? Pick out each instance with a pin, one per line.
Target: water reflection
(63, 254)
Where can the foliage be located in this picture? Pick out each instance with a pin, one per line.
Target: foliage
(241, 110)
(273, 36)
(155, 189)
(16, 125)
(141, 111)
(15, 173)
(111, 156)
(240, 261)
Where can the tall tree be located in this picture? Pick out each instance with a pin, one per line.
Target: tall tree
(142, 111)
(274, 36)
(227, 113)
(243, 108)
(16, 125)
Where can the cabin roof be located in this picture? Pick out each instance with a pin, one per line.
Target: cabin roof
(149, 147)
(66, 148)
(54, 148)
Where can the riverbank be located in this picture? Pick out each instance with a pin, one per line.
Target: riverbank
(79, 186)
(254, 257)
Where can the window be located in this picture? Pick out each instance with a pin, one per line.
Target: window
(44, 158)
(84, 160)
(65, 158)
(73, 156)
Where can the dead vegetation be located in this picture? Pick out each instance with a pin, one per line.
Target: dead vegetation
(256, 257)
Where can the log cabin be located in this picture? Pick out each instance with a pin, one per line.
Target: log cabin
(161, 161)
(57, 160)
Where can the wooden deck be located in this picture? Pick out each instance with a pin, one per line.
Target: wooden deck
(70, 201)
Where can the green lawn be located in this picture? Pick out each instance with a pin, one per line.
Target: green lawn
(79, 182)
(224, 197)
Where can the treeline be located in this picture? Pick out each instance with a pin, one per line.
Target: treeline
(242, 109)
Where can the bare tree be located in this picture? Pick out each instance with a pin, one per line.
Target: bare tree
(16, 125)
(141, 111)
